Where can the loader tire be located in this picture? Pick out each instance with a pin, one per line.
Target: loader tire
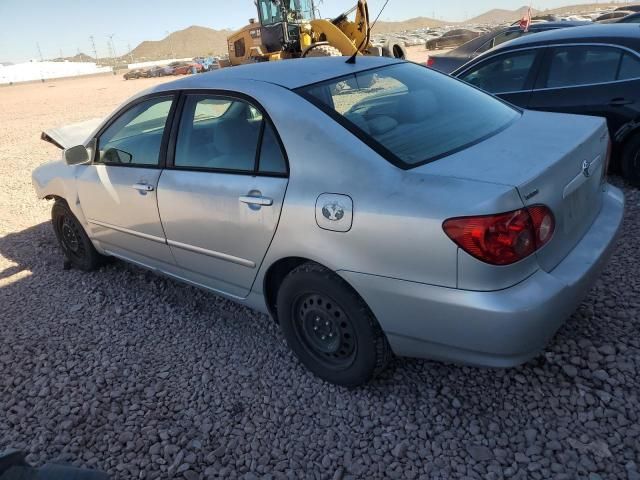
(323, 51)
(394, 48)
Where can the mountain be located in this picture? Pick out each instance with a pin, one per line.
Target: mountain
(411, 24)
(499, 15)
(190, 42)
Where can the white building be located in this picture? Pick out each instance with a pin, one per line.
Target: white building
(34, 70)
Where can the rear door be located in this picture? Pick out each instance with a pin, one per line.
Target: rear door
(510, 75)
(599, 80)
(220, 197)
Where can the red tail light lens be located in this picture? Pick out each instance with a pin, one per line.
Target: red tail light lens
(431, 62)
(504, 238)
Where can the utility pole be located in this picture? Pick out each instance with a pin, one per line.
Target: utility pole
(93, 45)
(112, 51)
(61, 55)
(130, 52)
(39, 51)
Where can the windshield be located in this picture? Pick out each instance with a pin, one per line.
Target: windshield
(410, 114)
(271, 11)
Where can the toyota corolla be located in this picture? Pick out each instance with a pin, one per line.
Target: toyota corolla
(371, 209)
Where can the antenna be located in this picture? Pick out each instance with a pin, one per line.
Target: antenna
(352, 58)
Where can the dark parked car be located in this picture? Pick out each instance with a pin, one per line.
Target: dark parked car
(453, 38)
(448, 62)
(613, 15)
(630, 8)
(592, 70)
(632, 18)
(133, 74)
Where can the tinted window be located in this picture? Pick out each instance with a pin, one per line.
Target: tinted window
(503, 74)
(223, 134)
(506, 36)
(409, 113)
(217, 133)
(135, 138)
(629, 68)
(571, 66)
(271, 158)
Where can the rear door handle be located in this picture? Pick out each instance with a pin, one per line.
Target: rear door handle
(260, 201)
(143, 187)
(620, 102)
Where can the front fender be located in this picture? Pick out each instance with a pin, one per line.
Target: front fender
(58, 180)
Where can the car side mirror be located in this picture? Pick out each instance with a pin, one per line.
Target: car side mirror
(76, 155)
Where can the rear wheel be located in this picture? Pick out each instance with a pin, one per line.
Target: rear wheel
(323, 51)
(330, 328)
(73, 239)
(630, 161)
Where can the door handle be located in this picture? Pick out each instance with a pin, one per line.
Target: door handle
(259, 201)
(620, 102)
(143, 187)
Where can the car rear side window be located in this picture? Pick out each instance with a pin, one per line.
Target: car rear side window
(502, 74)
(226, 134)
(411, 114)
(583, 65)
(629, 67)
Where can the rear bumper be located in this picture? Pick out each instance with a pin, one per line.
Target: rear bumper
(498, 329)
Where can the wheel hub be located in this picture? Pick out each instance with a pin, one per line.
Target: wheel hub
(325, 329)
(69, 236)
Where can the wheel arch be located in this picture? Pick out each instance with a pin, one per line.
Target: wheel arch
(277, 272)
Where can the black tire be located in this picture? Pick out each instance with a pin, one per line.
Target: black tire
(394, 48)
(630, 161)
(322, 51)
(73, 240)
(330, 328)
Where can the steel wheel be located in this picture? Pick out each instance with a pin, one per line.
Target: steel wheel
(70, 238)
(325, 330)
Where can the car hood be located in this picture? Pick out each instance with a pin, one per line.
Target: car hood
(71, 135)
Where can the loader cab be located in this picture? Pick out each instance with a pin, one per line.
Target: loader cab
(280, 22)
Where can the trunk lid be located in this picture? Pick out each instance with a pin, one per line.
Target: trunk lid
(552, 159)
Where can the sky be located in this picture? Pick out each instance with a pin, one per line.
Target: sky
(64, 26)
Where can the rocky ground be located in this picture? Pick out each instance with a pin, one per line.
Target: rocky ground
(146, 378)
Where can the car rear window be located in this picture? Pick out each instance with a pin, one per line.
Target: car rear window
(411, 114)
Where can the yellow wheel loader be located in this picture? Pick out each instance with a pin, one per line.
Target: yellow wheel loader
(290, 29)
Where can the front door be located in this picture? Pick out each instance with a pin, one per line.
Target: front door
(221, 194)
(118, 190)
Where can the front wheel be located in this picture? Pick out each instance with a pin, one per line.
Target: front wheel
(330, 328)
(630, 161)
(73, 239)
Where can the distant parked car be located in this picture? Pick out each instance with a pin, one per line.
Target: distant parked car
(613, 15)
(413, 214)
(133, 74)
(632, 18)
(187, 68)
(592, 70)
(630, 8)
(449, 61)
(452, 38)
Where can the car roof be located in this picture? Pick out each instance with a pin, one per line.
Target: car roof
(583, 34)
(290, 74)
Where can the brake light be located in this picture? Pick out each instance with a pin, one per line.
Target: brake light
(504, 238)
(431, 61)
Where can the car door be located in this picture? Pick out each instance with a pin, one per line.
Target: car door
(601, 80)
(510, 75)
(220, 197)
(117, 191)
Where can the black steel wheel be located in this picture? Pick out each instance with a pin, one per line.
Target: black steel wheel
(630, 161)
(73, 239)
(330, 328)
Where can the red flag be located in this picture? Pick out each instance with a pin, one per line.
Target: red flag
(525, 23)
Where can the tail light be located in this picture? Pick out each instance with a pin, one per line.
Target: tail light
(431, 61)
(504, 238)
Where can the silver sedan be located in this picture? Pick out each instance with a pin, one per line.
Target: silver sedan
(370, 208)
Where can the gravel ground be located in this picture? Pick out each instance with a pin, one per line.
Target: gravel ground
(146, 378)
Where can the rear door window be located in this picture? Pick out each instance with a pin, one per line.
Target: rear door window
(629, 67)
(582, 65)
(410, 114)
(503, 74)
